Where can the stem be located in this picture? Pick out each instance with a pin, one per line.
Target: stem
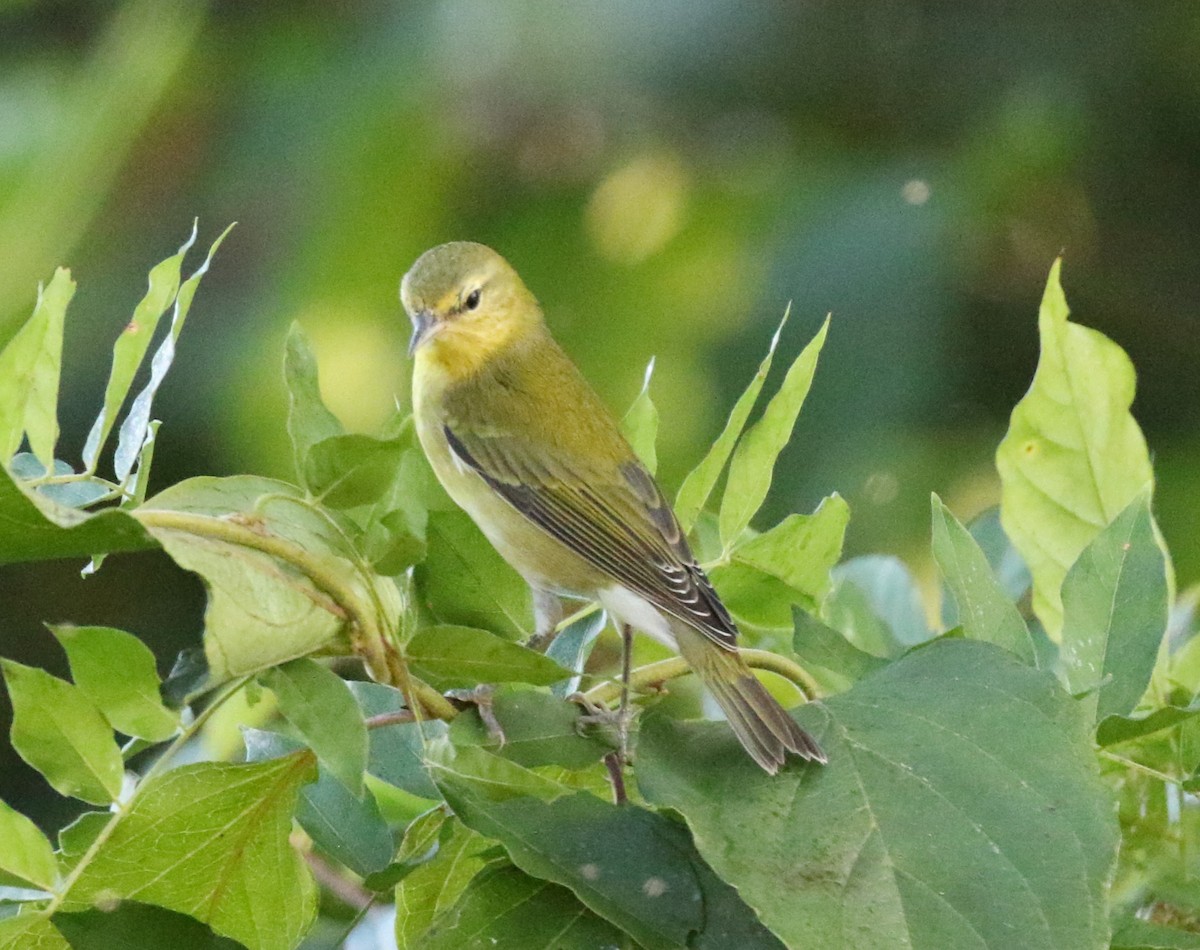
(366, 636)
(652, 674)
(1138, 767)
(123, 808)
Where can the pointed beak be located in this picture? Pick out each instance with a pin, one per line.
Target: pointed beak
(423, 326)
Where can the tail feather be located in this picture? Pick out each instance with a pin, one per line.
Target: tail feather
(761, 725)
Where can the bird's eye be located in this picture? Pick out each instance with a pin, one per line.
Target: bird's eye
(472, 300)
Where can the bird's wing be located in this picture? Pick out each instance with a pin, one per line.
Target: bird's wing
(614, 517)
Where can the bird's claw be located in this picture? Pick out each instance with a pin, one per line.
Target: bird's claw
(482, 697)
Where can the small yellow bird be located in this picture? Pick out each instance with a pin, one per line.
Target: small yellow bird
(525, 446)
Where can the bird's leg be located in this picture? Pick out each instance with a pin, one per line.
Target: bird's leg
(482, 697)
(626, 670)
(548, 611)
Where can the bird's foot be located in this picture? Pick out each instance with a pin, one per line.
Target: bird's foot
(482, 697)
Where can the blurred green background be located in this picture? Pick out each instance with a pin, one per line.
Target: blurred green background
(666, 176)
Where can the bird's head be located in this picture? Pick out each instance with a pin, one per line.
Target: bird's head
(466, 301)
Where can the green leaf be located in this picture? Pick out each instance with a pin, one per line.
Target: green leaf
(135, 430)
(1134, 934)
(309, 422)
(1073, 457)
(1116, 728)
(134, 926)
(132, 345)
(1006, 563)
(572, 647)
(640, 424)
(58, 731)
(118, 673)
(349, 470)
(984, 610)
(80, 492)
(801, 549)
(77, 837)
(694, 492)
(29, 372)
(450, 656)
(318, 703)
(753, 461)
(397, 752)
(1114, 603)
(961, 807)
(436, 885)
(347, 827)
(464, 581)
(211, 840)
(504, 909)
(31, 932)
(26, 853)
(539, 729)
(876, 604)
(756, 598)
(817, 645)
(634, 867)
(261, 611)
(37, 528)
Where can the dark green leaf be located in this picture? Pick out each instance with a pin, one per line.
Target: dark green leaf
(539, 729)
(211, 840)
(29, 370)
(961, 807)
(504, 909)
(818, 645)
(189, 677)
(1005, 560)
(319, 705)
(308, 420)
(117, 672)
(984, 610)
(753, 462)
(1114, 728)
(450, 656)
(876, 604)
(347, 827)
(59, 731)
(397, 752)
(1114, 603)
(134, 926)
(1073, 457)
(25, 854)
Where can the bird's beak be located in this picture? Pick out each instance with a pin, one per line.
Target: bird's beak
(423, 326)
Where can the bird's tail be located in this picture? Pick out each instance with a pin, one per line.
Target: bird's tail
(761, 725)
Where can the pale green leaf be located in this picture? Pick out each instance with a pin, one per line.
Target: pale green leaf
(118, 673)
(317, 702)
(694, 492)
(29, 374)
(309, 422)
(350, 470)
(451, 656)
(212, 841)
(1115, 613)
(753, 462)
(876, 604)
(984, 610)
(802, 549)
(132, 345)
(1073, 457)
(572, 647)
(640, 424)
(25, 852)
(961, 807)
(436, 885)
(31, 932)
(59, 731)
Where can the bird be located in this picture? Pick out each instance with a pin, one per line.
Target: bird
(523, 444)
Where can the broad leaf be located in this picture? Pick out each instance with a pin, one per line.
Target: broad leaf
(801, 549)
(118, 673)
(31, 932)
(1115, 613)
(309, 422)
(397, 752)
(694, 492)
(961, 807)
(984, 610)
(505, 909)
(29, 373)
(640, 424)
(820, 646)
(318, 703)
(134, 926)
(876, 604)
(350, 470)
(634, 867)
(211, 841)
(25, 854)
(59, 731)
(450, 656)
(1006, 563)
(436, 885)
(753, 462)
(1073, 457)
